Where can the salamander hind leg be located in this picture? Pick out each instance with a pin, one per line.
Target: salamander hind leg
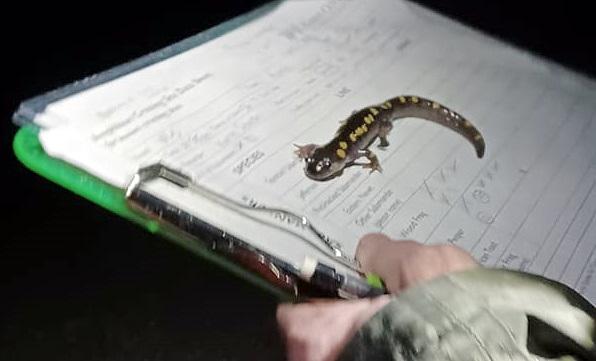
(384, 130)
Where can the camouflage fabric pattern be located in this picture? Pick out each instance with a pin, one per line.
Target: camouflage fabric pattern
(482, 314)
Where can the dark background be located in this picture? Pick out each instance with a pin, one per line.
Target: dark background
(78, 283)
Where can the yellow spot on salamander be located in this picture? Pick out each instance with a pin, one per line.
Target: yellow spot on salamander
(341, 153)
(353, 137)
(436, 105)
(364, 127)
(402, 100)
(477, 137)
(359, 131)
(369, 119)
(467, 123)
(414, 100)
(343, 145)
(374, 111)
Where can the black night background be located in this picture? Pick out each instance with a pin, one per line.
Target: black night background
(79, 283)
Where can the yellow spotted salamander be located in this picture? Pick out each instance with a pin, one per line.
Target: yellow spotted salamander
(363, 127)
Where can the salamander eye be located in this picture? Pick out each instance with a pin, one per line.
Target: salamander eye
(319, 166)
(323, 164)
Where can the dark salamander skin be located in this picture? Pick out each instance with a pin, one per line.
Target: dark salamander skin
(362, 128)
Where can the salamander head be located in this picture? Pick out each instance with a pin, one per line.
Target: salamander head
(318, 164)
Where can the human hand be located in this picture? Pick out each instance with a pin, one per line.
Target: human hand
(320, 329)
(402, 264)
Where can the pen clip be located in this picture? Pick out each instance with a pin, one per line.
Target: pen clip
(327, 245)
(273, 270)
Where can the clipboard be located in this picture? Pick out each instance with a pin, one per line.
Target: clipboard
(265, 271)
(451, 198)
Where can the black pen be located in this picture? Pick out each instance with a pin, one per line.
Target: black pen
(329, 280)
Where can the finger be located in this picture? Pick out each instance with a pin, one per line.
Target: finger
(402, 264)
(368, 249)
(320, 330)
(309, 312)
(383, 256)
(456, 258)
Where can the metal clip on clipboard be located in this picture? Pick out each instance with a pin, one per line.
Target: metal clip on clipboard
(321, 280)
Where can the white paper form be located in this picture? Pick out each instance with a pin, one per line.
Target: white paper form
(229, 112)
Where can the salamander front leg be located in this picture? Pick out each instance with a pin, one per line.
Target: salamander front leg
(384, 131)
(373, 163)
(305, 151)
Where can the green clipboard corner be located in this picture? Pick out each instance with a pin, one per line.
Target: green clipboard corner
(29, 151)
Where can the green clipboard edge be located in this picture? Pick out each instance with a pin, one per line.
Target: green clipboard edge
(29, 151)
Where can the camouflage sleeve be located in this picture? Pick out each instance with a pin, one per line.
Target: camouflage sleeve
(482, 314)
